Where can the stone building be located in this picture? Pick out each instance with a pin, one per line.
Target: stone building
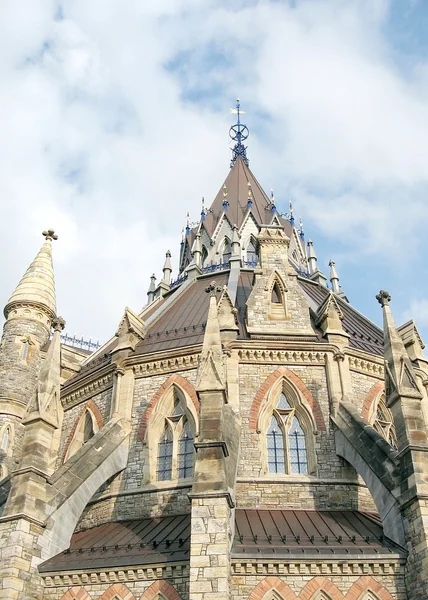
(248, 435)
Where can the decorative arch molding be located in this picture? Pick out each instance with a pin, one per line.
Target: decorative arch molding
(76, 593)
(375, 390)
(182, 383)
(96, 414)
(293, 379)
(160, 587)
(368, 585)
(315, 586)
(117, 590)
(272, 584)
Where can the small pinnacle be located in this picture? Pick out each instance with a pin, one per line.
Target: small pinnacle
(212, 288)
(50, 234)
(383, 298)
(58, 323)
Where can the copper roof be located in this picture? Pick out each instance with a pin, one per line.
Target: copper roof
(237, 196)
(277, 533)
(296, 532)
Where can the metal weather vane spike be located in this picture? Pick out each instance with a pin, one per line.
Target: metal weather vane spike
(238, 133)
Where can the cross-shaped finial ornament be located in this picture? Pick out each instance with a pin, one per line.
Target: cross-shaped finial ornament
(50, 234)
(383, 298)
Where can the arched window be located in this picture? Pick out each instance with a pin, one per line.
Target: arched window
(204, 255)
(252, 252)
(175, 448)
(382, 421)
(288, 431)
(25, 348)
(276, 296)
(88, 430)
(227, 251)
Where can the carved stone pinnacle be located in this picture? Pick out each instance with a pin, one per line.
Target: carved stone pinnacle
(383, 298)
(58, 324)
(212, 288)
(50, 234)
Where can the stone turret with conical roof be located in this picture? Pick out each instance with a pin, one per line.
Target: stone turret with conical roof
(29, 314)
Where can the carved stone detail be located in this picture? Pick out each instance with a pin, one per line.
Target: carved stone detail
(366, 366)
(282, 356)
(87, 391)
(166, 365)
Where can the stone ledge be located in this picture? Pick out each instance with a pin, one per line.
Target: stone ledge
(391, 565)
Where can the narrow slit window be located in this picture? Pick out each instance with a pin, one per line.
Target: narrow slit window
(88, 429)
(5, 440)
(276, 294)
(275, 448)
(25, 348)
(227, 252)
(165, 447)
(185, 453)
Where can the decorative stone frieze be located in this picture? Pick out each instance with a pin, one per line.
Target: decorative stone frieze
(166, 365)
(87, 391)
(318, 567)
(361, 365)
(282, 356)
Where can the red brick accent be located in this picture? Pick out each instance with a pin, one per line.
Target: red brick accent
(272, 583)
(320, 584)
(376, 389)
(119, 590)
(368, 584)
(98, 418)
(183, 384)
(76, 593)
(269, 382)
(164, 588)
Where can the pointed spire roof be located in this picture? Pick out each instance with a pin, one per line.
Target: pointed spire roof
(240, 175)
(37, 286)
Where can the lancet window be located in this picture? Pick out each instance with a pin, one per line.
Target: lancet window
(175, 449)
(5, 439)
(287, 427)
(204, 255)
(86, 428)
(227, 251)
(383, 421)
(252, 252)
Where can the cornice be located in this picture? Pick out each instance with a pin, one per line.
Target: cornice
(88, 387)
(321, 565)
(114, 575)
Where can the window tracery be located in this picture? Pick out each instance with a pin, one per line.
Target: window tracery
(175, 446)
(287, 429)
(382, 420)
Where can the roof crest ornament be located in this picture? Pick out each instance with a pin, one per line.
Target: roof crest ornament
(50, 235)
(238, 133)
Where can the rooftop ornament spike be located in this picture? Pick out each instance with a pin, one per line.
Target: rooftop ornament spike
(225, 201)
(187, 224)
(290, 215)
(301, 232)
(203, 210)
(238, 133)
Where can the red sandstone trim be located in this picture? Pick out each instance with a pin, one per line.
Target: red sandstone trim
(76, 593)
(321, 584)
(119, 590)
(376, 389)
(272, 583)
(164, 588)
(270, 381)
(368, 584)
(183, 384)
(90, 405)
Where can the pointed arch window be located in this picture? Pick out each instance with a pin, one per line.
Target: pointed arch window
(289, 447)
(382, 420)
(88, 429)
(204, 255)
(276, 296)
(175, 454)
(252, 256)
(5, 439)
(227, 251)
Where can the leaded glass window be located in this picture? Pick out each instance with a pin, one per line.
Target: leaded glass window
(165, 448)
(251, 252)
(286, 440)
(297, 442)
(185, 453)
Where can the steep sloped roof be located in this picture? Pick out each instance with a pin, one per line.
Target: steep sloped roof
(237, 196)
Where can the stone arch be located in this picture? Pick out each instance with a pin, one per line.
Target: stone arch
(76, 593)
(160, 587)
(374, 391)
(367, 584)
(97, 418)
(271, 584)
(182, 383)
(117, 590)
(320, 584)
(283, 372)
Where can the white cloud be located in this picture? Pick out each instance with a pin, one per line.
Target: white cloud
(114, 123)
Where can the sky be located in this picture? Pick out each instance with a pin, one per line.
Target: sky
(114, 120)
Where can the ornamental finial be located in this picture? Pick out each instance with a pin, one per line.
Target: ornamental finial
(383, 298)
(238, 133)
(50, 234)
(58, 324)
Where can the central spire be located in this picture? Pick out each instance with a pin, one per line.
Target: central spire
(238, 133)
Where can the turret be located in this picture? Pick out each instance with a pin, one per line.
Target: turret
(152, 289)
(29, 314)
(167, 268)
(312, 258)
(334, 277)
